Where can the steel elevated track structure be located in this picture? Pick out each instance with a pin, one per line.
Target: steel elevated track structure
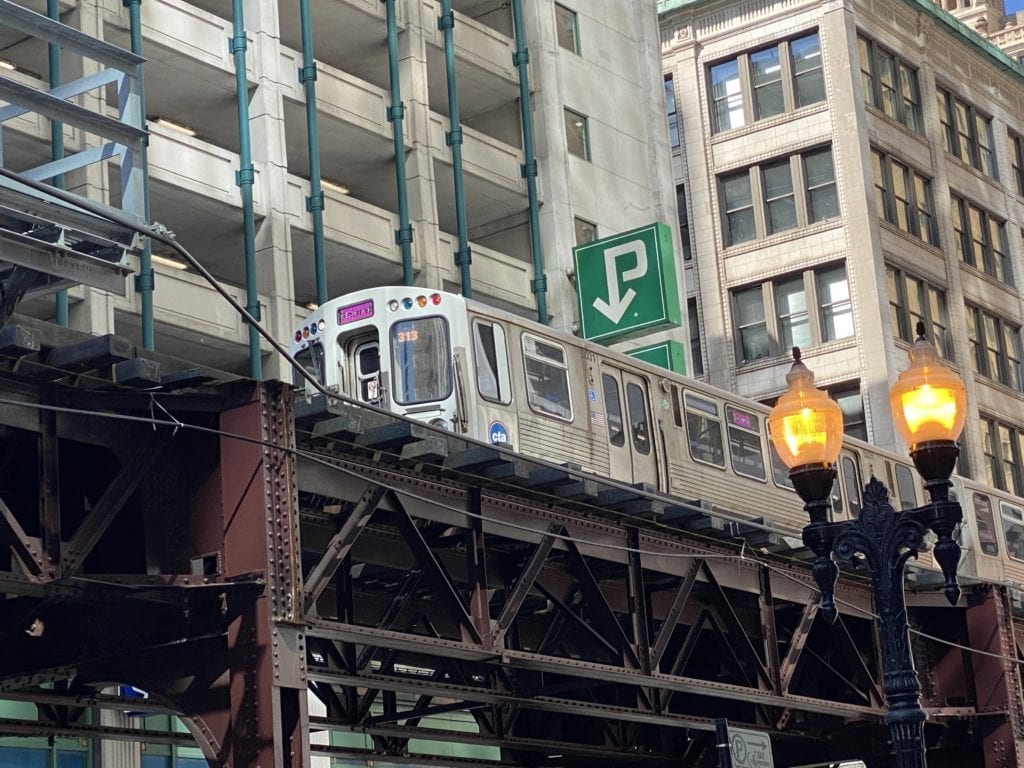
(295, 579)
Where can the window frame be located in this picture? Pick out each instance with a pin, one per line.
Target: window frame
(563, 367)
(772, 318)
(995, 259)
(578, 226)
(502, 370)
(567, 115)
(914, 186)
(740, 422)
(904, 108)
(575, 32)
(983, 348)
(708, 415)
(759, 204)
(906, 320)
(1017, 160)
(672, 112)
(788, 81)
(969, 139)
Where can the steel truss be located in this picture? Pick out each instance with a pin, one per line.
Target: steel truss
(275, 580)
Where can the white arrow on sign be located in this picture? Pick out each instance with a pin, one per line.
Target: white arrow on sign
(617, 305)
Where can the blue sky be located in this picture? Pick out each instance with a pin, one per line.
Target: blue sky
(1014, 5)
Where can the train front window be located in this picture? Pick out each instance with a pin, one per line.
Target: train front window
(421, 360)
(745, 443)
(547, 378)
(311, 360)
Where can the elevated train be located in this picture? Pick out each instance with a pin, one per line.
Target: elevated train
(501, 379)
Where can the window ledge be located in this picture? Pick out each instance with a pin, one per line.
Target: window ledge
(981, 175)
(783, 237)
(997, 386)
(891, 122)
(752, 366)
(910, 237)
(995, 282)
(768, 122)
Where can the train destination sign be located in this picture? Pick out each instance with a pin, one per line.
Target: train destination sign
(626, 284)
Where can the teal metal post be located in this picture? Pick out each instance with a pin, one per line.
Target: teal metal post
(315, 201)
(463, 257)
(245, 178)
(539, 284)
(396, 116)
(145, 283)
(56, 144)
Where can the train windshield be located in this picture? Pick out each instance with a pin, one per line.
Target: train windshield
(310, 359)
(421, 360)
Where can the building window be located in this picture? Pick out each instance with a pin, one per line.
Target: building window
(913, 300)
(693, 321)
(672, 112)
(568, 28)
(791, 192)
(1004, 451)
(890, 84)
(684, 221)
(577, 134)
(966, 133)
(981, 239)
(766, 82)
(802, 309)
(903, 197)
(1017, 159)
(585, 231)
(995, 347)
(852, 404)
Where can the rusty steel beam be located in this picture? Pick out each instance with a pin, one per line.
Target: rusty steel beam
(27, 549)
(524, 583)
(92, 528)
(340, 545)
(675, 612)
(797, 643)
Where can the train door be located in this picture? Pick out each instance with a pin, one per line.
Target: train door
(630, 430)
(364, 352)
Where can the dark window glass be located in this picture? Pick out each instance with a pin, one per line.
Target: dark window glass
(490, 351)
(638, 421)
(906, 488)
(704, 429)
(745, 449)
(613, 405)
(421, 360)
(851, 479)
(547, 378)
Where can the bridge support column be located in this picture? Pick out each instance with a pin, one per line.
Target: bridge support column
(261, 720)
(996, 678)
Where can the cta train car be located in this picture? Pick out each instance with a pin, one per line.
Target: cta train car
(493, 376)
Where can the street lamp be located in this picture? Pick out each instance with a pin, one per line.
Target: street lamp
(929, 406)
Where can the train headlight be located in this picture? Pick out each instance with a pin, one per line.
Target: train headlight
(440, 423)
(393, 305)
(321, 324)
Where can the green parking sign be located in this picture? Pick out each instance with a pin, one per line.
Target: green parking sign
(626, 284)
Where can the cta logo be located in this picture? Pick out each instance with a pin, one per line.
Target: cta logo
(497, 434)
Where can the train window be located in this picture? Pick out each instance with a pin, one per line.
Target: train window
(613, 405)
(780, 472)
(547, 378)
(745, 449)
(490, 349)
(310, 359)
(851, 479)
(677, 415)
(421, 360)
(704, 429)
(1013, 529)
(639, 423)
(986, 525)
(906, 488)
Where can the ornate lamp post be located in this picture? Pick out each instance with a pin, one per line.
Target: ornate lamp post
(929, 406)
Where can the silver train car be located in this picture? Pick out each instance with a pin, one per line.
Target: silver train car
(493, 376)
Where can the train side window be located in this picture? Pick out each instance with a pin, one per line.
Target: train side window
(490, 350)
(906, 488)
(704, 429)
(851, 479)
(639, 423)
(986, 525)
(547, 378)
(613, 405)
(1013, 529)
(780, 472)
(745, 448)
(367, 356)
(837, 498)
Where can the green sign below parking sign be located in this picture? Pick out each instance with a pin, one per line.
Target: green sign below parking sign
(626, 284)
(668, 355)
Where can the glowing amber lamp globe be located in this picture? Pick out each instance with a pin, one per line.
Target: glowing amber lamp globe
(928, 401)
(806, 425)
